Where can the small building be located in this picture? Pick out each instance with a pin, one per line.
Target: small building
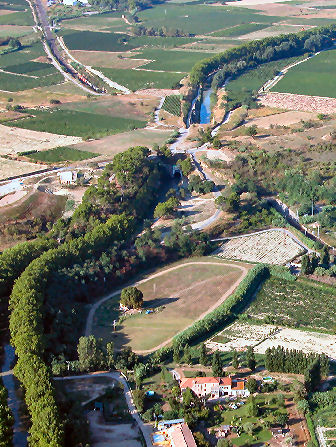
(181, 436)
(67, 177)
(215, 387)
(164, 425)
(276, 431)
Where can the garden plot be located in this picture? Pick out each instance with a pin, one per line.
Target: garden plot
(270, 247)
(239, 336)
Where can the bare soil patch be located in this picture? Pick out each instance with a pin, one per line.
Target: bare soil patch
(107, 59)
(290, 101)
(281, 119)
(12, 198)
(11, 168)
(106, 435)
(14, 140)
(5, 12)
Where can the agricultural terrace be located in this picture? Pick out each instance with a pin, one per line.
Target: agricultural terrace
(313, 77)
(75, 123)
(239, 336)
(172, 104)
(299, 304)
(268, 247)
(177, 295)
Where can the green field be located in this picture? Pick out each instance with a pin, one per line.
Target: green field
(95, 41)
(314, 77)
(199, 19)
(61, 154)
(138, 79)
(16, 83)
(301, 303)
(240, 30)
(17, 18)
(15, 31)
(172, 104)
(25, 54)
(168, 60)
(177, 297)
(81, 124)
(32, 69)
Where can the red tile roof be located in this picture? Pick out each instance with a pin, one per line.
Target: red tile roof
(189, 383)
(181, 436)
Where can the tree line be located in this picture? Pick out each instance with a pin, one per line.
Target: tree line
(239, 59)
(6, 419)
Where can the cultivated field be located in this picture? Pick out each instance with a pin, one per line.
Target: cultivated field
(239, 336)
(11, 168)
(269, 247)
(290, 101)
(61, 154)
(313, 77)
(297, 304)
(177, 297)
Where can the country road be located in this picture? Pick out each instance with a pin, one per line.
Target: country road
(89, 321)
(146, 429)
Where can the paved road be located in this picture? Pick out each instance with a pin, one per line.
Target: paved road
(146, 429)
(89, 321)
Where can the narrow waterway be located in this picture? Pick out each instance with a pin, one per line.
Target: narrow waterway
(20, 435)
(205, 111)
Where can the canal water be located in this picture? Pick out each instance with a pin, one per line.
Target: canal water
(20, 435)
(205, 111)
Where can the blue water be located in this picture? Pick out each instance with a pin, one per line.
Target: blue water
(20, 436)
(205, 111)
(158, 437)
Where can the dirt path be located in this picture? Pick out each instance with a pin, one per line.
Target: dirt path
(297, 424)
(89, 321)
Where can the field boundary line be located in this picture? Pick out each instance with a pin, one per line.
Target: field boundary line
(98, 73)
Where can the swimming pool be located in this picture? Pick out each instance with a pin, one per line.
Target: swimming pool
(157, 437)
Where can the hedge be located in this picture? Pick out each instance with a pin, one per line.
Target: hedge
(13, 261)
(27, 331)
(311, 429)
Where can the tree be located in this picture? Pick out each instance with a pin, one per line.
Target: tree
(187, 355)
(282, 419)
(200, 440)
(252, 130)
(167, 208)
(305, 265)
(110, 354)
(233, 202)
(6, 420)
(186, 166)
(217, 369)
(90, 353)
(176, 354)
(248, 428)
(303, 406)
(253, 409)
(252, 385)
(250, 358)
(203, 358)
(325, 257)
(132, 298)
(235, 359)
(139, 399)
(224, 443)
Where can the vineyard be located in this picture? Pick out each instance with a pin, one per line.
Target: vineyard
(296, 304)
(269, 247)
(172, 104)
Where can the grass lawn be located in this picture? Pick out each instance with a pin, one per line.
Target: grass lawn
(61, 154)
(180, 61)
(302, 303)
(314, 77)
(199, 19)
(81, 124)
(178, 298)
(136, 80)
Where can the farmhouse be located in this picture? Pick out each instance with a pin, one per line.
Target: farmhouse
(181, 436)
(67, 177)
(215, 387)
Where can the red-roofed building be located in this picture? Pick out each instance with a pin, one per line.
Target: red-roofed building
(181, 436)
(215, 387)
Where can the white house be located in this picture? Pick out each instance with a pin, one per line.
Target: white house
(215, 387)
(67, 177)
(75, 2)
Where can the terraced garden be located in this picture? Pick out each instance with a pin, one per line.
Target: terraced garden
(270, 247)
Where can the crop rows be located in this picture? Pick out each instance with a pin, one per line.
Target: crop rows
(172, 104)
